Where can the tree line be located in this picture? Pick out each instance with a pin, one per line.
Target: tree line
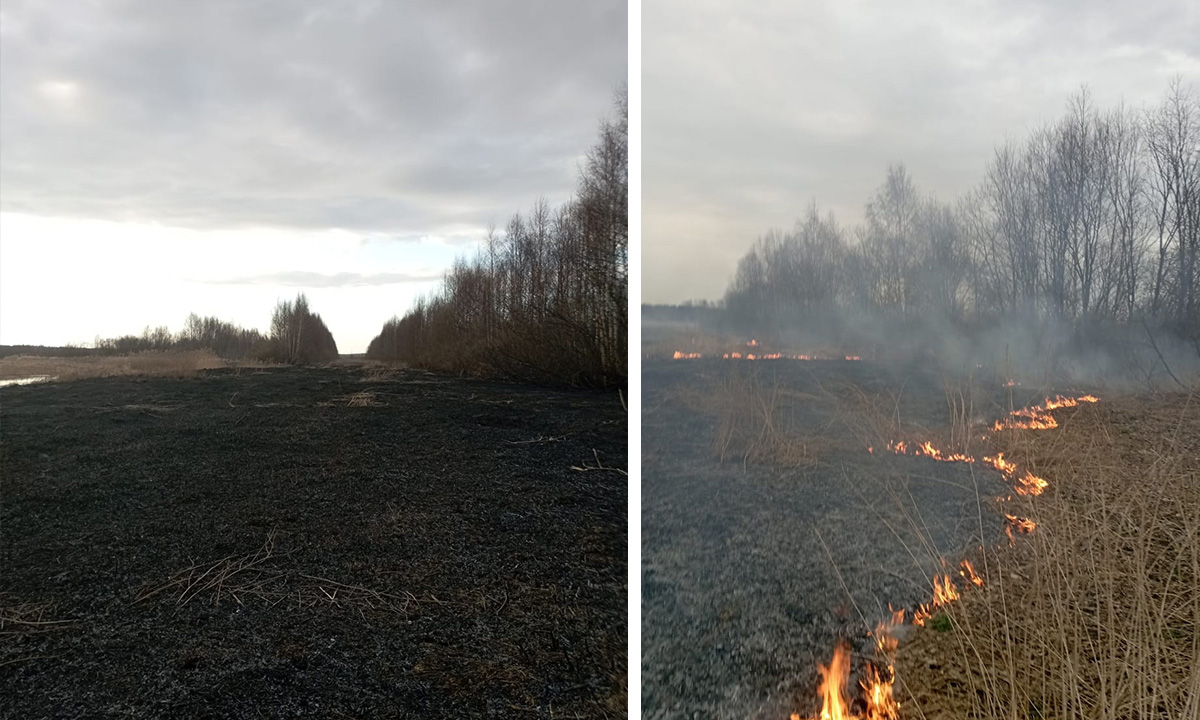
(1093, 219)
(544, 300)
(297, 336)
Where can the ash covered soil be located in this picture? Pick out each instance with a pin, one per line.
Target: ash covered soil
(752, 572)
(311, 542)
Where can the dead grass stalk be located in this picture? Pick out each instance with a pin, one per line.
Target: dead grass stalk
(153, 364)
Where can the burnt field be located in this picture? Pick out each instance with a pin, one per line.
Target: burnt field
(770, 532)
(333, 542)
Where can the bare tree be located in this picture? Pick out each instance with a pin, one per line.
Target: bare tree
(545, 299)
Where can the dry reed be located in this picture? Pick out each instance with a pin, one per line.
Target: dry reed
(1096, 614)
(152, 364)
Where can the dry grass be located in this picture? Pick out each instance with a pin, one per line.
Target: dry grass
(242, 577)
(761, 419)
(18, 616)
(756, 416)
(153, 364)
(376, 371)
(1096, 614)
(364, 398)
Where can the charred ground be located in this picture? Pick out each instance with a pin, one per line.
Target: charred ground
(399, 545)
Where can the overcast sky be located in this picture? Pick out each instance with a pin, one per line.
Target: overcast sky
(753, 110)
(164, 157)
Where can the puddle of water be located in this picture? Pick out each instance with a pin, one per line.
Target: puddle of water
(26, 380)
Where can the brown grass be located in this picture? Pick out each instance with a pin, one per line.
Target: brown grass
(363, 398)
(1096, 614)
(152, 364)
(761, 419)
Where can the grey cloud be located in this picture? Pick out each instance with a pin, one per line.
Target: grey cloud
(319, 280)
(752, 111)
(373, 116)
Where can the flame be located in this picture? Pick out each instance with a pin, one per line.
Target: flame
(968, 571)
(835, 704)
(835, 700)
(738, 355)
(877, 686)
(1038, 417)
(1030, 484)
(752, 343)
(1027, 484)
(885, 642)
(1022, 526)
(1001, 464)
(881, 704)
(927, 449)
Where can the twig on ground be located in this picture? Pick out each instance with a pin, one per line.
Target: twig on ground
(598, 466)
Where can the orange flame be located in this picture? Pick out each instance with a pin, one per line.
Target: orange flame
(885, 642)
(1022, 526)
(968, 571)
(835, 705)
(881, 704)
(737, 355)
(944, 593)
(1027, 484)
(1038, 417)
(835, 700)
(927, 449)
(1024, 484)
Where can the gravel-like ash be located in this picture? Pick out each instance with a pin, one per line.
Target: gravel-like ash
(406, 546)
(751, 573)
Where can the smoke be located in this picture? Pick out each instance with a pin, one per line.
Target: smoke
(1029, 348)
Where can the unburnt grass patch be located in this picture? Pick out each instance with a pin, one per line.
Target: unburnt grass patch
(1094, 613)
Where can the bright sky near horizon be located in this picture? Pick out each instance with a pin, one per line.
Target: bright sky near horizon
(158, 159)
(751, 111)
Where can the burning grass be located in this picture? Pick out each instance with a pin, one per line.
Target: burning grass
(1095, 603)
(152, 364)
(686, 340)
(1095, 614)
(1094, 610)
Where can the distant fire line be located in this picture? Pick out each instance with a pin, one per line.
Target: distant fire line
(762, 356)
